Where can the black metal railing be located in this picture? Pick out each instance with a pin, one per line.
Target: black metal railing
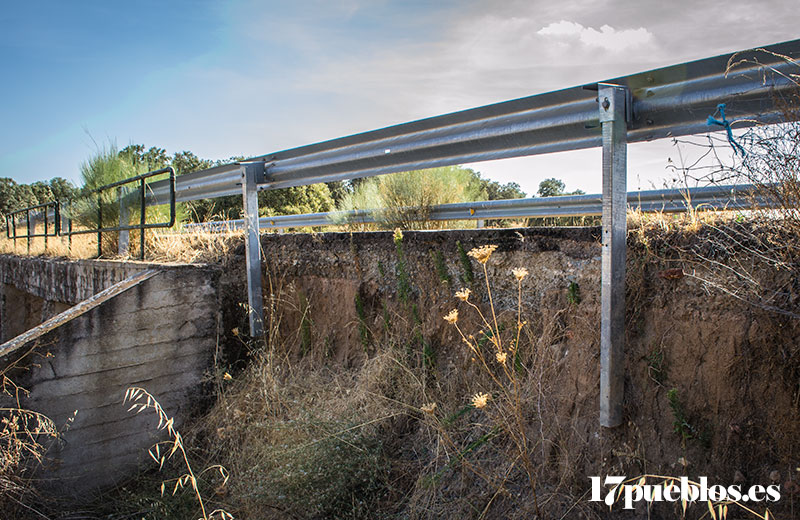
(125, 200)
(30, 224)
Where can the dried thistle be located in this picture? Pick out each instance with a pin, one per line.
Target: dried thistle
(463, 294)
(428, 408)
(452, 317)
(519, 273)
(501, 357)
(480, 399)
(482, 254)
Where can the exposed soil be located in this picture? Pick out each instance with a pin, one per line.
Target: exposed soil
(735, 367)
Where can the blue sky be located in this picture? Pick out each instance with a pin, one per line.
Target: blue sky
(250, 77)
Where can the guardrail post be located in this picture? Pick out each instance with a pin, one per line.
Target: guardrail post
(124, 220)
(612, 105)
(250, 176)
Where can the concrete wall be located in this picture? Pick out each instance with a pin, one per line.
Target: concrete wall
(160, 335)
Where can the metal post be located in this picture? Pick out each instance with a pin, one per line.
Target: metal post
(99, 225)
(45, 228)
(612, 105)
(142, 219)
(28, 227)
(250, 176)
(124, 220)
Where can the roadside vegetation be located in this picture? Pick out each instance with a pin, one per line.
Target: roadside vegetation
(466, 397)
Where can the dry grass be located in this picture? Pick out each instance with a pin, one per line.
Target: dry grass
(25, 436)
(161, 246)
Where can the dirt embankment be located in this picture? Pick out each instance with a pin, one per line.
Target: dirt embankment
(711, 382)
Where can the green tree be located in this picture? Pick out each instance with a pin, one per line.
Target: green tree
(496, 191)
(186, 162)
(152, 159)
(554, 188)
(62, 189)
(15, 196)
(41, 190)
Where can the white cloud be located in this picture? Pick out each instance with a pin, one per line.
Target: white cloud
(607, 37)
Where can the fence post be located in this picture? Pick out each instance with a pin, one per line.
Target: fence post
(251, 173)
(124, 220)
(612, 105)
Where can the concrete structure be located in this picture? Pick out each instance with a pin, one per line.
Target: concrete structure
(135, 324)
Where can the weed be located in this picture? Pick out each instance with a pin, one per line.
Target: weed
(467, 276)
(135, 396)
(441, 268)
(336, 475)
(680, 422)
(363, 330)
(573, 293)
(381, 269)
(656, 366)
(491, 351)
(403, 280)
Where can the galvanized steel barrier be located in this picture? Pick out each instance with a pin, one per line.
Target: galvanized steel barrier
(668, 102)
(722, 197)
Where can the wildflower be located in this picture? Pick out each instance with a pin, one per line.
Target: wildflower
(398, 235)
(227, 377)
(482, 254)
(452, 317)
(480, 399)
(501, 357)
(463, 294)
(428, 408)
(519, 273)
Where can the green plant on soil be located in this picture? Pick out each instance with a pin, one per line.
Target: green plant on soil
(573, 293)
(403, 280)
(467, 276)
(363, 330)
(441, 268)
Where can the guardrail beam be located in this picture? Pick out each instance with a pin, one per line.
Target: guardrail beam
(612, 104)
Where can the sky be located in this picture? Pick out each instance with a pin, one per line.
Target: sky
(247, 77)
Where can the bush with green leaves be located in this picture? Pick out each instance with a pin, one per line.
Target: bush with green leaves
(404, 200)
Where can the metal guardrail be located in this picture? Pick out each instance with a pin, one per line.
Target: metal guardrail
(125, 200)
(668, 102)
(30, 223)
(728, 197)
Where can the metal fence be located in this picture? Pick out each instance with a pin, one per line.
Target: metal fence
(668, 102)
(61, 213)
(723, 197)
(47, 216)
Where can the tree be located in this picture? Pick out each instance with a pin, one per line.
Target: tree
(15, 196)
(153, 159)
(496, 191)
(555, 188)
(62, 189)
(41, 190)
(186, 162)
